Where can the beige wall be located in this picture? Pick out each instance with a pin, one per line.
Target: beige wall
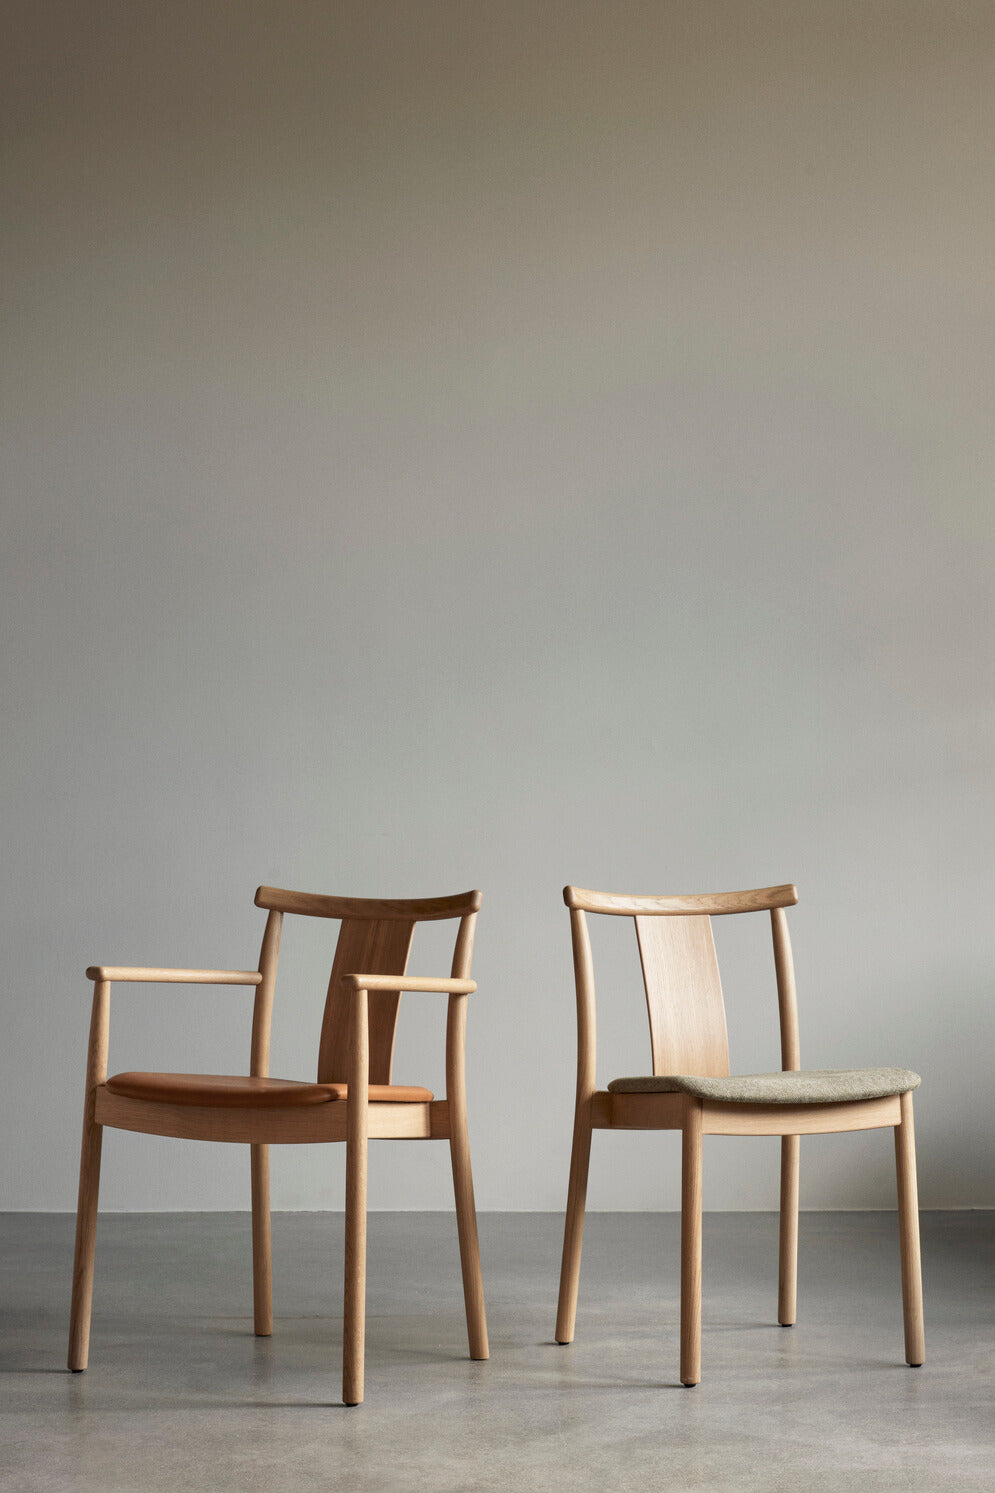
(461, 444)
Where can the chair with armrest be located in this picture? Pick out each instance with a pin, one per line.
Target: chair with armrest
(691, 1090)
(353, 1099)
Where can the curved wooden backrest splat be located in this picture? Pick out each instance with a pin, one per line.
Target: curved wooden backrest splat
(374, 939)
(681, 975)
(683, 995)
(369, 946)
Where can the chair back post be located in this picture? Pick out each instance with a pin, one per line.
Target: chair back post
(262, 1011)
(586, 1016)
(456, 1017)
(99, 1042)
(787, 1001)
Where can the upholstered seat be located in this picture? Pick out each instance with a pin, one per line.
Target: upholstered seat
(811, 1086)
(224, 1091)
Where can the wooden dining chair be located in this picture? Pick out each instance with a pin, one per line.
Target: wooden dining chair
(691, 1090)
(353, 1099)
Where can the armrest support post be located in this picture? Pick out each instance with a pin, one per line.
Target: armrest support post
(359, 1076)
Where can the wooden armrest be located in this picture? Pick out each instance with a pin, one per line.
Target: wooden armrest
(408, 982)
(106, 972)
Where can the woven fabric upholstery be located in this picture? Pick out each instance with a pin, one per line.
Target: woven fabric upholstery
(811, 1086)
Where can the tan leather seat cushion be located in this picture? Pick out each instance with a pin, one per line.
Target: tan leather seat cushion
(224, 1091)
(810, 1086)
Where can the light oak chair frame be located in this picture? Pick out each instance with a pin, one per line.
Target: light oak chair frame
(685, 1028)
(357, 1035)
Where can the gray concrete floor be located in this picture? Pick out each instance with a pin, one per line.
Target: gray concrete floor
(180, 1395)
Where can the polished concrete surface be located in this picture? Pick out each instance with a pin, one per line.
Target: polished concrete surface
(180, 1395)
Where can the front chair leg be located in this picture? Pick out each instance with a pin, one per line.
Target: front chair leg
(908, 1224)
(354, 1322)
(573, 1232)
(787, 1272)
(86, 1242)
(459, 1152)
(357, 1132)
(469, 1244)
(89, 1180)
(691, 1244)
(262, 1252)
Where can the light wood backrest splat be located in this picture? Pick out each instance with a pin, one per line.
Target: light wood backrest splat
(683, 995)
(680, 973)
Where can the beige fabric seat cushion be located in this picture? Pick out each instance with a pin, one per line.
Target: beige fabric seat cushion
(231, 1091)
(811, 1086)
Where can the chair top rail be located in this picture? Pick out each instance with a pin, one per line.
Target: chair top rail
(315, 905)
(712, 904)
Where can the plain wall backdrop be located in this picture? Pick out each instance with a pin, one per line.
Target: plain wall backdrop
(498, 445)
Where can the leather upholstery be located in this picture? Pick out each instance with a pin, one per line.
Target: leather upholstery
(229, 1091)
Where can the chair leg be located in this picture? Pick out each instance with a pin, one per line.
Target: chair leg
(691, 1244)
(86, 1241)
(908, 1223)
(354, 1317)
(469, 1244)
(573, 1233)
(262, 1252)
(787, 1274)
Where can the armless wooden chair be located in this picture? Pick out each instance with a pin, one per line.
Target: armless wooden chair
(352, 1100)
(690, 1090)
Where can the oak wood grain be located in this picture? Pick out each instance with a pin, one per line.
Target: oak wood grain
(324, 1123)
(683, 995)
(715, 904)
(126, 975)
(89, 1179)
(378, 947)
(908, 1223)
(414, 909)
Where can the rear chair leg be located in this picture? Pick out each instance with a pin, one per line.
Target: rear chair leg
(262, 1253)
(691, 1244)
(908, 1224)
(573, 1233)
(787, 1275)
